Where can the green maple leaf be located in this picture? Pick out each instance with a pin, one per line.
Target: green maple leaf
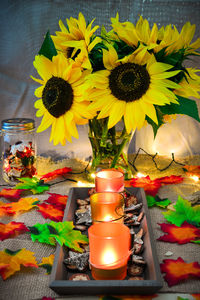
(67, 236)
(40, 232)
(35, 185)
(62, 232)
(157, 201)
(183, 212)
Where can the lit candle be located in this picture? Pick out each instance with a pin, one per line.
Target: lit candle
(109, 180)
(109, 250)
(107, 207)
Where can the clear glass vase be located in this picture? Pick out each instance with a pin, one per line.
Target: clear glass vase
(109, 146)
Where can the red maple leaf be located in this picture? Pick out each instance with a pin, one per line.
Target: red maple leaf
(151, 187)
(11, 229)
(49, 211)
(52, 175)
(173, 179)
(181, 235)
(11, 194)
(58, 200)
(177, 270)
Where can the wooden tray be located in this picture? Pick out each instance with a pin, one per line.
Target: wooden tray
(59, 276)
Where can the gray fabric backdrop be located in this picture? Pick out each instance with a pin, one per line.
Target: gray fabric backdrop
(23, 24)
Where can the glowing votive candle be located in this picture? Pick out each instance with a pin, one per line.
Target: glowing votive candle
(109, 250)
(109, 180)
(107, 207)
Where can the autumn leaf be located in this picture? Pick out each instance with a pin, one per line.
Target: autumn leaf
(62, 232)
(47, 263)
(178, 270)
(11, 194)
(157, 201)
(151, 187)
(49, 211)
(14, 259)
(52, 175)
(40, 232)
(58, 200)
(24, 204)
(180, 235)
(183, 212)
(173, 179)
(192, 170)
(67, 236)
(196, 296)
(11, 229)
(36, 186)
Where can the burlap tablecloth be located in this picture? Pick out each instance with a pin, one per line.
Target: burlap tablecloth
(32, 283)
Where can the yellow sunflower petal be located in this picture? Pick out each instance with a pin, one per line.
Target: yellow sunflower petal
(46, 122)
(116, 113)
(149, 110)
(38, 91)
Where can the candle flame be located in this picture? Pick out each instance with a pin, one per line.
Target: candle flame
(107, 218)
(108, 257)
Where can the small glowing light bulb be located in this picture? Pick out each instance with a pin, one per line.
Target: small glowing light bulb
(195, 178)
(140, 175)
(80, 183)
(93, 175)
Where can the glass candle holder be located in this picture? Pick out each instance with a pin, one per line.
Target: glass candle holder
(18, 149)
(109, 180)
(109, 250)
(107, 207)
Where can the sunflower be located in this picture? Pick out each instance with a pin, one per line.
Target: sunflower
(130, 88)
(166, 37)
(190, 85)
(61, 102)
(76, 40)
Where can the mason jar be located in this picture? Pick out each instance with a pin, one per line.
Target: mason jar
(18, 149)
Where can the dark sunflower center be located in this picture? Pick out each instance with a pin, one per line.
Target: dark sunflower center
(129, 81)
(57, 96)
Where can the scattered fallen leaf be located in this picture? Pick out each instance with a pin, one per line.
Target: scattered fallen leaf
(11, 229)
(35, 185)
(24, 204)
(47, 263)
(14, 259)
(177, 270)
(52, 175)
(173, 179)
(11, 194)
(192, 170)
(62, 232)
(151, 187)
(58, 200)
(183, 212)
(49, 211)
(181, 235)
(157, 201)
(196, 296)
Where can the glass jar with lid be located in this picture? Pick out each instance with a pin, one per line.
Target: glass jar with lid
(18, 149)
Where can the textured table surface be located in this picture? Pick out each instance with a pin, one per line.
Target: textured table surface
(32, 283)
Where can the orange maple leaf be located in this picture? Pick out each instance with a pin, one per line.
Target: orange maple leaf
(11, 194)
(49, 211)
(196, 296)
(24, 204)
(192, 170)
(47, 263)
(181, 235)
(177, 270)
(52, 175)
(14, 259)
(11, 229)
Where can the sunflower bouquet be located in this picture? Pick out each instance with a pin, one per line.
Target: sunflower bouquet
(131, 75)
